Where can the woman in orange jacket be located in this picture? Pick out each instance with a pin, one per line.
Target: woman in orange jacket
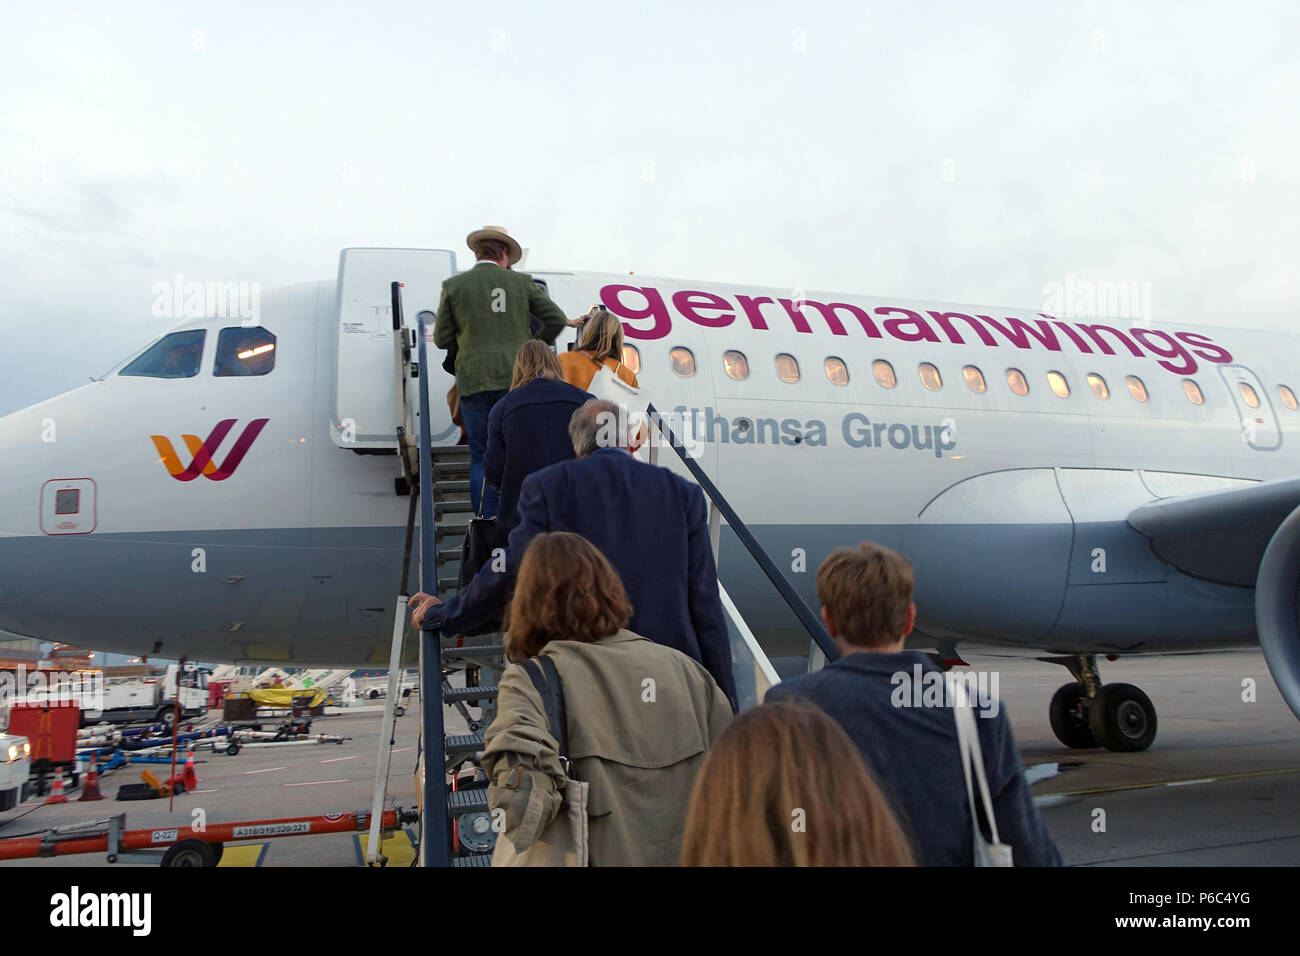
(601, 343)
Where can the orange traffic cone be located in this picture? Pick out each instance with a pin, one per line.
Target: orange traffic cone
(56, 795)
(191, 778)
(90, 786)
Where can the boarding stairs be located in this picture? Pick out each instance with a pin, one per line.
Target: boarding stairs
(456, 825)
(323, 678)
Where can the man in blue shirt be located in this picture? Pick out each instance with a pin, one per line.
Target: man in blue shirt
(907, 737)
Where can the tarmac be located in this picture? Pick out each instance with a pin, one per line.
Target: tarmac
(1219, 786)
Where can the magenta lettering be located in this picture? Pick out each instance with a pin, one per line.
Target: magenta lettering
(897, 327)
(654, 309)
(689, 304)
(1015, 331)
(1198, 342)
(1172, 349)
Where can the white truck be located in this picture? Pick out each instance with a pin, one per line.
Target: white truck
(15, 768)
(124, 700)
(147, 698)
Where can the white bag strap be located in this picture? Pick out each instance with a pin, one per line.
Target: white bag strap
(968, 742)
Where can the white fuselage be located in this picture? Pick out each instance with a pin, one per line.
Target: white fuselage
(294, 555)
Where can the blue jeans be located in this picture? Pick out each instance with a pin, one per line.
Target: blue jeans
(474, 411)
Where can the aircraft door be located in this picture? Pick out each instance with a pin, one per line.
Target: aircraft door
(365, 407)
(1259, 425)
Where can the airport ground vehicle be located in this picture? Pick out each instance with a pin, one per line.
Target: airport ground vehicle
(15, 768)
(151, 699)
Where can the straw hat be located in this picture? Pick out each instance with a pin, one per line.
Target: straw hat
(494, 232)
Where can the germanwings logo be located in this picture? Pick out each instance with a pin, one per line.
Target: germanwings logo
(203, 452)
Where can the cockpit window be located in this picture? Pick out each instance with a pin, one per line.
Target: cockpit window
(173, 356)
(242, 351)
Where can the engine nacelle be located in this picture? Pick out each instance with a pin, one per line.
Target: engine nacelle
(1277, 609)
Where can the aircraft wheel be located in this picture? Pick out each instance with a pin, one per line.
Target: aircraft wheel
(1122, 718)
(1069, 718)
(190, 853)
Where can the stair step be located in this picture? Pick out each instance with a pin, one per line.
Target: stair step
(448, 555)
(474, 800)
(463, 744)
(473, 859)
(451, 486)
(452, 507)
(485, 691)
(448, 584)
(451, 522)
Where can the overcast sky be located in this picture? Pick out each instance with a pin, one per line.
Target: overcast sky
(943, 151)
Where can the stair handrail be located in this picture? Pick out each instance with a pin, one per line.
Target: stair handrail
(434, 850)
(810, 621)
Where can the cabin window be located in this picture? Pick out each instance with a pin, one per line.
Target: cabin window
(837, 373)
(1193, 392)
(787, 369)
(1098, 386)
(177, 355)
(1288, 397)
(736, 364)
(884, 373)
(930, 377)
(1016, 379)
(1248, 395)
(632, 358)
(683, 361)
(1136, 388)
(974, 379)
(1057, 383)
(242, 351)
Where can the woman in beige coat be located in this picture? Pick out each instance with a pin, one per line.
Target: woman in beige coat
(640, 716)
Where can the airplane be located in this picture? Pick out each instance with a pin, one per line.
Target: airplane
(1071, 487)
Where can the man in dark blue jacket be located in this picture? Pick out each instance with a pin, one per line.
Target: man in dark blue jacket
(651, 524)
(893, 705)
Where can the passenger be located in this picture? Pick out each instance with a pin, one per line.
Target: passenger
(866, 596)
(484, 315)
(652, 525)
(601, 341)
(784, 786)
(640, 716)
(529, 428)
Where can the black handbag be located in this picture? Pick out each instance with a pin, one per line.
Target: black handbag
(481, 539)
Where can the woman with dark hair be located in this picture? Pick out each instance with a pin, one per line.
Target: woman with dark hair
(528, 429)
(639, 716)
(785, 786)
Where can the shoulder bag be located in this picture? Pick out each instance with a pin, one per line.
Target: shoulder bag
(565, 841)
(987, 853)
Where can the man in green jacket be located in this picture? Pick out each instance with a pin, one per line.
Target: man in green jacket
(484, 315)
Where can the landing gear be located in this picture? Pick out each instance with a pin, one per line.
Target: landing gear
(1122, 718)
(1085, 713)
(1068, 713)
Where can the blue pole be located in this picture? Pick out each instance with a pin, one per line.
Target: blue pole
(434, 836)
